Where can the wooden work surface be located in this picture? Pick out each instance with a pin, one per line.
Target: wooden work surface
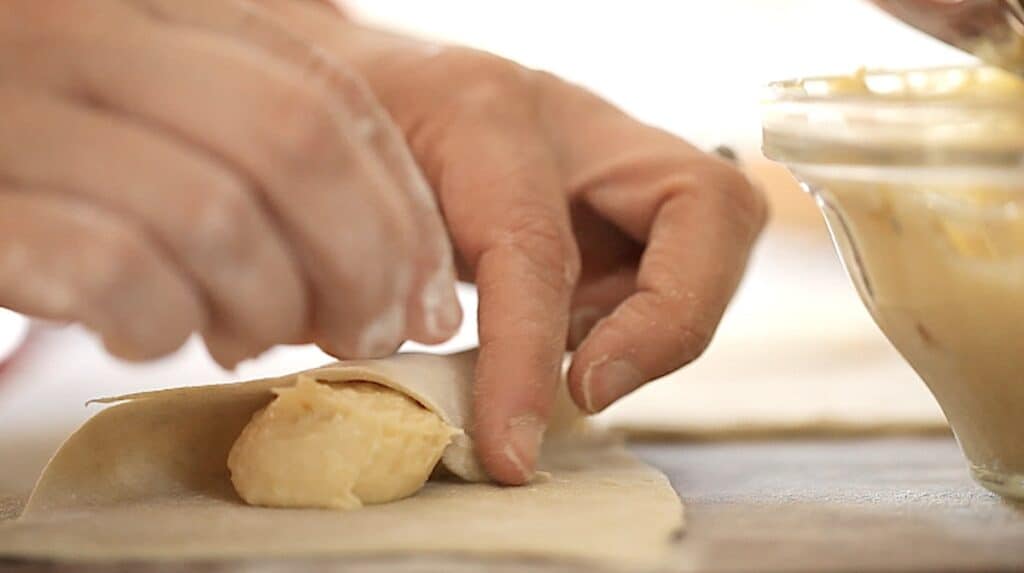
(902, 504)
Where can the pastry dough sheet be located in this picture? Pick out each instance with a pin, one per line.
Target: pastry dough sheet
(794, 377)
(599, 505)
(146, 479)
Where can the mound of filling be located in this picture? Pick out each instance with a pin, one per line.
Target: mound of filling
(336, 446)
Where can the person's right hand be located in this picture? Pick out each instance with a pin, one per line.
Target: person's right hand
(156, 180)
(578, 223)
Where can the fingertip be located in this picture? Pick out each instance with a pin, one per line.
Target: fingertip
(512, 401)
(598, 384)
(511, 458)
(228, 350)
(581, 322)
(518, 470)
(435, 321)
(382, 335)
(579, 393)
(434, 310)
(125, 349)
(376, 336)
(444, 319)
(136, 351)
(605, 367)
(142, 338)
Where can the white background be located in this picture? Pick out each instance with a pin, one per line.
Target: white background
(695, 67)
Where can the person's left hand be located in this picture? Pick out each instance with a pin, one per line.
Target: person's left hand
(581, 226)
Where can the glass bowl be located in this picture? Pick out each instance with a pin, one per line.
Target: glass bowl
(920, 177)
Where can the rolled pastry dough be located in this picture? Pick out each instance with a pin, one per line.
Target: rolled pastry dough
(146, 479)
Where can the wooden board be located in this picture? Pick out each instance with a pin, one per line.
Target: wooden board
(810, 505)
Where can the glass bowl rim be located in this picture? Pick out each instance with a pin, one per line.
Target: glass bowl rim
(792, 91)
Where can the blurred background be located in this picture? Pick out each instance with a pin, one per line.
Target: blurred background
(696, 68)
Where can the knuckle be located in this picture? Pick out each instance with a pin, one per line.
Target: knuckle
(221, 221)
(303, 129)
(487, 81)
(746, 202)
(109, 262)
(683, 336)
(547, 246)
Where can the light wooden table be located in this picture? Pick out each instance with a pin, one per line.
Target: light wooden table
(902, 504)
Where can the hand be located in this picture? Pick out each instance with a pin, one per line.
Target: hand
(578, 224)
(159, 178)
(958, 23)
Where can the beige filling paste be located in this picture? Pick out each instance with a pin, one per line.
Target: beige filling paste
(336, 447)
(148, 477)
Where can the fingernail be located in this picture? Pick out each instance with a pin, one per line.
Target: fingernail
(525, 434)
(227, 350)
(581, 323)
(605, 382)
(442, 318)
(450, 314)
(441, 312)
(382, 336)
(229, 359)
(123, 349)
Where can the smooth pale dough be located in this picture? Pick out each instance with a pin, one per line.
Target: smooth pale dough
(820, 371)
(147, 478)
(336, 447)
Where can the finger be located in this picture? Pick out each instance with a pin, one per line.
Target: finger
(510, 222)
(338, 6)
(433, 309)
(609, 261)
(699, 218)
(693, 263)
(597, 298)
(345, 222)
(207, 220)
(63, 260)
(287, 29)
